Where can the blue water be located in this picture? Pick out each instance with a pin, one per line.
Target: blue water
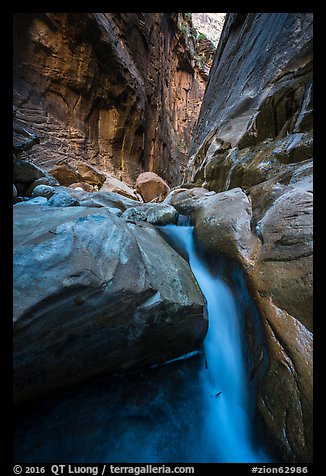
(227, 433)
(199, 408)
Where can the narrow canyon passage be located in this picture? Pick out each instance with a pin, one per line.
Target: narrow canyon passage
(138, 337)
(200, 408)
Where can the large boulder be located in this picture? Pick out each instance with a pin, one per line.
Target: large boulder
(223, 225)
(62, 199)
(154, 213)
(285, 395)
(112, 184)
(222, 221)
(94, 294)
(284, 265)
(65, 173)
(104, 199)
(90, 174)
(43, 191)
(46, 180)
(99, 199)
(282, 280)
(26, 172)
(263, 195)
(151, 186)
(188, 201)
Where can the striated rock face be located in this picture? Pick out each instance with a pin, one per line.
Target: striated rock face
(116, 90)
(94, 294)
(261, 118)
(255, 133)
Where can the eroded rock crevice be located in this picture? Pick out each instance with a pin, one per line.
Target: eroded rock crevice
(256, 136)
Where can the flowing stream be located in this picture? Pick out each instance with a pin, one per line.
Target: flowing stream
(229, 405)
(198, 408)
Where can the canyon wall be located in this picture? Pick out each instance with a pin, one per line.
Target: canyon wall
(254, 135)
(120, 91)
(209, 24)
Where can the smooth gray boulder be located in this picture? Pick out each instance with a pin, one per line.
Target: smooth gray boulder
(46, 180)
(222, 221)
(285, 264)
(101, 199)
(43, 191)
(93, 295)
(188, 201)
(62, 199)
(32, 201)
(154, 213)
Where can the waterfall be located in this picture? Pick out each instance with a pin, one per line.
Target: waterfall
(192, 409)
(227, 430)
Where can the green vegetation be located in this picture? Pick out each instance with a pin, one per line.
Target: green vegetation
(200, 60)
(201, 36)
(183, 27)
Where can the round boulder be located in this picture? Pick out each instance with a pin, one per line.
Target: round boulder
(151, 186)
(43, 191)
(62, 199)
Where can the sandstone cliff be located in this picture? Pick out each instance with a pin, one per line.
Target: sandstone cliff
(255, 133)
(119, 93)
(116, 90)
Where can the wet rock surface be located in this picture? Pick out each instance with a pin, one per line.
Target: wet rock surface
(267, 99)
(256, 135)
(152, 416)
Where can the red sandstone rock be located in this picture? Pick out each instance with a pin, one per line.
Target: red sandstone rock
(90, 174)
(65, 173)
(151, 186)
(118, 90)
(112, 184)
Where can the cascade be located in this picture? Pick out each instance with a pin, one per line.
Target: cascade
(227, 431)
(196, 408)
